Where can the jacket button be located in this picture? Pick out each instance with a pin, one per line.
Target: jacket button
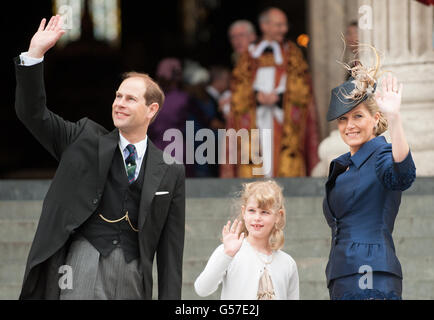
(115, 242)
(95, 201)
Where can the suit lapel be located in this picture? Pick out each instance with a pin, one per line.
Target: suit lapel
(336, 168)
(327, 210)
(154, 172)
(107, 145)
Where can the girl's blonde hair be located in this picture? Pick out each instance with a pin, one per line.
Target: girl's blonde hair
(365, 80)
(269, 196)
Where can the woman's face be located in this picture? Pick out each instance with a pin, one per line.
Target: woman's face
(259, 222)
(357, 127)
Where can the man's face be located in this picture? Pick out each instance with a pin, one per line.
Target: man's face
(129, 110)
(276, 27)
(240, 38)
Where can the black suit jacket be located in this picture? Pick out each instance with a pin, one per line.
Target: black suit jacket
(84, 150)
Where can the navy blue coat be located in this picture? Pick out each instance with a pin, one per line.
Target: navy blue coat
(360, 207)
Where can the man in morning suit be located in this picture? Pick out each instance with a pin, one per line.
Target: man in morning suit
(113, 202)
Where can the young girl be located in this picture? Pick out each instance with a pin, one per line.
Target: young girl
(249, 263)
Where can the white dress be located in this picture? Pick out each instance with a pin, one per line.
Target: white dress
(240, 275)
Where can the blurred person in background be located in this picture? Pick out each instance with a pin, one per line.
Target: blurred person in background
(176, 105)
(352, 47)
(207, 98)
(179, 107)
(271, 89)
(241, 34)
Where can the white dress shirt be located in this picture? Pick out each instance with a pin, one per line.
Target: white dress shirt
(29, 61)
(240, 274)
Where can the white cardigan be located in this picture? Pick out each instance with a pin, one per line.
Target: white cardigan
(240, 275)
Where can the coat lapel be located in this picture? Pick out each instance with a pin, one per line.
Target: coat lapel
(154, 172)
(107, 145)
(337, 167)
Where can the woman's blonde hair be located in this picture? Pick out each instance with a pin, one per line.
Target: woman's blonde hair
(372, 107)
(269, 196)
(365, 81)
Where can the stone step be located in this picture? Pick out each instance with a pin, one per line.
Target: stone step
(229, 208)
(310, 269)
(300, 228)
(418, 290)
(297, 229)
(202, 248)
(17, 230)
(11, 273)
(317, 290)
(313, 269)
(20, 210)
(309, 290)
(14, 252)
(415, 227)
(416, 206)
(411, 205)
(314, 248)
(188, 293)
(10, 291)
(418, 268)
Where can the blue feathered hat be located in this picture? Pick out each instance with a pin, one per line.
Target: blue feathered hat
(340, 103)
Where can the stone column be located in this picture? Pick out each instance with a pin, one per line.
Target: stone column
(403, 31)
(327, 20)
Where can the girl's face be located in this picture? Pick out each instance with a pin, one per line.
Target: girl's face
(357, 127)
(259, 222)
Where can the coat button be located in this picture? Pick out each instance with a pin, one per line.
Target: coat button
(115, 242)
(95, 201)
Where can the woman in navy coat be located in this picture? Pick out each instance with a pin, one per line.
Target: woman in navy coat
(364, 186)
